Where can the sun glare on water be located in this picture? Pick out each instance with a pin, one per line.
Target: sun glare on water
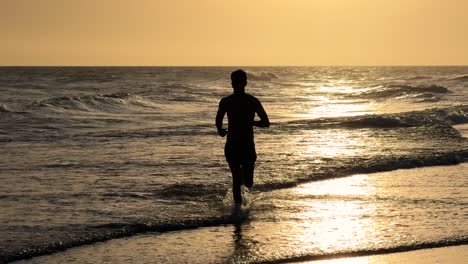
(343, 218)
(334, 101)
(331, 143)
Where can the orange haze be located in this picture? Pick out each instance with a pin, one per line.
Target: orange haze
(241, 32)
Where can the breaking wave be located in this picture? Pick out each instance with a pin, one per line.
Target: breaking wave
(404, 90)
(419, 78)
(430, 117)
(261, 76)
(4, 109)
(206, 193)
(102, 103)
(461, 78)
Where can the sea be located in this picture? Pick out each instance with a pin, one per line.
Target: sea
(356, 160)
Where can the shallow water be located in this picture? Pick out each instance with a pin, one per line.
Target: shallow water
(361, 214)
(91, 154)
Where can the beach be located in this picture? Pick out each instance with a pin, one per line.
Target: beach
(453, 255)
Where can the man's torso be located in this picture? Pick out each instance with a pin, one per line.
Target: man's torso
(240, 109)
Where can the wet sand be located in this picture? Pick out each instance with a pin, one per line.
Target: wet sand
(452, 255)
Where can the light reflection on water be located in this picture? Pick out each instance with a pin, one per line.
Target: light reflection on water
(328, 216)
(336, 108)
(341, 220)
(356, 185)
(331, 143)
(368, 211)
(324, 106)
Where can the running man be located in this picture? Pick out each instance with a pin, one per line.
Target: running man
(240, 147)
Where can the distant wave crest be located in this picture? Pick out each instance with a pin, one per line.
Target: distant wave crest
(419, 77)
(430, 117)
(4, 109)
(395, 90)
(261, 76)
(104, 102)
(461, 78)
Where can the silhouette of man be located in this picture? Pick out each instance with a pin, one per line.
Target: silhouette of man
(240, 147)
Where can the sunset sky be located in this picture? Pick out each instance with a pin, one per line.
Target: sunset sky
(241, 32)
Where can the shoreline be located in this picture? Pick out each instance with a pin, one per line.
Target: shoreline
(452, 254)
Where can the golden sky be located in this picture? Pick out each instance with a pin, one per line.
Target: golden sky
(233, 32)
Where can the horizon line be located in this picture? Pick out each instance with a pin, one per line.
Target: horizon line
(230, 66)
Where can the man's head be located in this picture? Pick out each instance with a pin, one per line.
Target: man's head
(239, 80)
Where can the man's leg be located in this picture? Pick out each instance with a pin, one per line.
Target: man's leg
(236, 182)
(248, 174)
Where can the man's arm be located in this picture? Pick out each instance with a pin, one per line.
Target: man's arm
(219, 119)
(264, 121)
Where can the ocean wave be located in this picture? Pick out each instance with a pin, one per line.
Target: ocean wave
(201, 192)
(86, 75)
(426, 98)
(103, 102)
(442, 118)
(4, 109)
(261, 76)
(192, 191)
(419, 77)
(433, 88)
(388, 163)
(461, 78)
(430, 117)
(172, 131)
(398, 90)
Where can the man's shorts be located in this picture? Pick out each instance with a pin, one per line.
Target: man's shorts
(240, 153)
